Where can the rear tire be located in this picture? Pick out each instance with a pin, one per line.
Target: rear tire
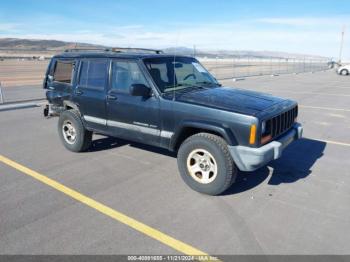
(72, 132)
(205, 164)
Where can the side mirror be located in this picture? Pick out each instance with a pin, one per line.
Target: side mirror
(140, 90)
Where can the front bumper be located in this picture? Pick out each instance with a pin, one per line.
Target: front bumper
(250, 159)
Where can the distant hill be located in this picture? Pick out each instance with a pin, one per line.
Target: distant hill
(14, 47)
(40, 45)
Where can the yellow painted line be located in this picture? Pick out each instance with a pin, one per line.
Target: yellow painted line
(138, 226)
(325, 108)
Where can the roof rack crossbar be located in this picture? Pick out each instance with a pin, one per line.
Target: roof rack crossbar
(124, 49)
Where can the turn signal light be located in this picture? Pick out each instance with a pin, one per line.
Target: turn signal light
(252, 134)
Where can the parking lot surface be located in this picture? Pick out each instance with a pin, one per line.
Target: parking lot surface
(299, 204)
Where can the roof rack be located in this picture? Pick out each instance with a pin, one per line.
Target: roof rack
(86, 50)
(131, 49)
(114, 49)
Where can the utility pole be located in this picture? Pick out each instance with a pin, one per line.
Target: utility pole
(341, 44)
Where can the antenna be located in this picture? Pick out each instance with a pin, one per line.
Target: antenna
(341, 44)
(174, 77)
(174, 73)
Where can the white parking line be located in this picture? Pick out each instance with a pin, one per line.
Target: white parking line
(305, 93)
(333, 142)
(325, 108)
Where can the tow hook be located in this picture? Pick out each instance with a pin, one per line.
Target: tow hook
(46, 111)
(51, 110)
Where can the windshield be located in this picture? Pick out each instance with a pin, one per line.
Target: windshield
(177, 73)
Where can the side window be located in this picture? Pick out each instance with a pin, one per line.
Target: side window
(126, 73)
(63, 71)
(93, 74)
(161, 70)
(160, 73)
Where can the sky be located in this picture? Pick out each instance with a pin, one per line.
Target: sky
(306, 27)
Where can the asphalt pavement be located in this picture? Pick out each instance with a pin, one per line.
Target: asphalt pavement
(299, 204)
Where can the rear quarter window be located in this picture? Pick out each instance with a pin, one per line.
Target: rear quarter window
(63, 71)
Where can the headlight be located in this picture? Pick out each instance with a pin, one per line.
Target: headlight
(263, 127)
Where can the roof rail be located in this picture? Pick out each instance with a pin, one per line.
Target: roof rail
(114, 49)
(86, 50)
(130, 49)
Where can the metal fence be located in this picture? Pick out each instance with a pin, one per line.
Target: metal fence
(228, 68)
(22, 79)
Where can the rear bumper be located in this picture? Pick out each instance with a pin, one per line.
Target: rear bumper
(250, 159)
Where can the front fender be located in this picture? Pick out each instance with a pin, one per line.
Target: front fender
(224, 131)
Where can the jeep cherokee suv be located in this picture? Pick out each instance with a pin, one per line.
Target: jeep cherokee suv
(171, 102)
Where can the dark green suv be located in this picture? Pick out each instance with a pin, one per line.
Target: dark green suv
(171, 102)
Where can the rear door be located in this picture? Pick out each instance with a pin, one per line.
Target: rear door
(134, 118)
(60, 79)
(90, 92)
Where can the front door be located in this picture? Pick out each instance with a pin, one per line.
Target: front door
(90, 92)
(131, 117)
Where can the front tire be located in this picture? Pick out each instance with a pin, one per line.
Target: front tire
(205, 164)
(72, 132)
(344, 72)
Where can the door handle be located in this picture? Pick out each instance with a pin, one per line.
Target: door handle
(79, 92)
(112, 97)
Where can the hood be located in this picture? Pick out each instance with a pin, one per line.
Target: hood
(230, 99)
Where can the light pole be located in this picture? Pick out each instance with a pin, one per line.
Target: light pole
(341, 44)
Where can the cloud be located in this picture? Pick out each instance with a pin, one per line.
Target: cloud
(318, 36)
(8, 27)
(305, 21)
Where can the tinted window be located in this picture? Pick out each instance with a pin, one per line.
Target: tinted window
(93, 74)
(63, 71)
(126, 73)
(171, 74)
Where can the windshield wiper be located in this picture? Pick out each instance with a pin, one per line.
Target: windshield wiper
(208, 83)
(182, 85)
(173, 86)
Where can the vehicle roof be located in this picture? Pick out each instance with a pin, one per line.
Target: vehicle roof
(111, 54)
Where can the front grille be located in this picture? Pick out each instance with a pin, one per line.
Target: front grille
(281, 123)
